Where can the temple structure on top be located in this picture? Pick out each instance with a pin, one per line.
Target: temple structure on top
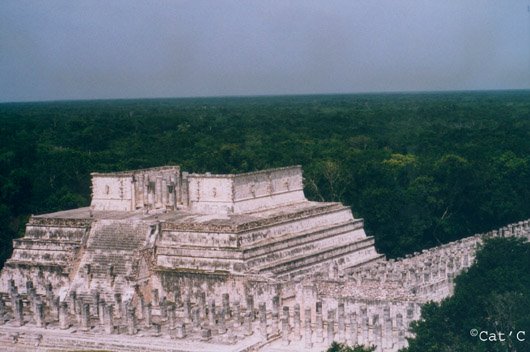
(167, 188)
(199, 262)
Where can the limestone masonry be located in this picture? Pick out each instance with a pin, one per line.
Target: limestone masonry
(164, 260)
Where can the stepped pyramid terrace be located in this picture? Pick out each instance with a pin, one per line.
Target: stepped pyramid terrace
(166, 260)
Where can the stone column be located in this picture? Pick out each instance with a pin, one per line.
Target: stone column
(248, 323)
(401, 330)
(285, 326)
(147, 315)
(364, 331)
(95, 305)
(63, 315)
(331, 326)
(236, 314)
(13, 293)
(118, 304)
(131, 320)
(79, 310)
(202, 304)
(352, 335)
(39, 315)
(165, 194)
(85, 317)
(378, 336)
(231, 336)
(226, 303)
(250, 305)
(319, 327)
(2, 311)
(263, 320)
(171, 195)
(296, 322)
(155, 298)
(180, 332)
(187, 310)
(141, 307)
(111, 275)
(109, 319)
(375, 319)
(49, 293)
(334, 271)
(171, 316)
(285, 331)
(32, 296)
(211, 314)
(466, 260)
(387, 334)
(196, 314)
(307, 329)
(101, 312)
(341, 322)
(450, 279)
(158, 192)
(29, 286)
(275, 314)
(73, 298)
(55, 307)
(19, 310)
(88, 276)
(157, 328)
(222, 322)
(386, 312)
(206, 334)
(177, 297)
(123, 310)
(163, 309)
(410, 311)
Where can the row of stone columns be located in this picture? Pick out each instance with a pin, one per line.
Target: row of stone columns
(287, 323)
(352, 328)
(437, 264)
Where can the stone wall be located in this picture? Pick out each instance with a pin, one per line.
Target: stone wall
(211, 194)
(244, 193)
(268, 188)
(154, 188)
(112, 192)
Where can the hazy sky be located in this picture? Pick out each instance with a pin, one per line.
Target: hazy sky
(132, 49)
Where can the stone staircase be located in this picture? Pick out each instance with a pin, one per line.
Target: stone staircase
(108, 261)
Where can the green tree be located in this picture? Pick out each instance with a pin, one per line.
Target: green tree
(341, 347)
(492, 296)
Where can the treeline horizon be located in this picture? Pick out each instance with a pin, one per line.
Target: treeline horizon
(272, 95)
(422, 169)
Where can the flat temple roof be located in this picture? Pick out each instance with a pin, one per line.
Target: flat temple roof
(132, 172)
(292, 167)
(177, 167)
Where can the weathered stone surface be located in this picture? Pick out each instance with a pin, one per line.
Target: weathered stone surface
(165, 254)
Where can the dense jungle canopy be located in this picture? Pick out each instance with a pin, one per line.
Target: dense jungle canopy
(420, 168)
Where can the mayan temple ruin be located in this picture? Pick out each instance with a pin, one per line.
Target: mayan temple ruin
(165, 260)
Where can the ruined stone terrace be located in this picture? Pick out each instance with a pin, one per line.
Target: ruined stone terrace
(165, 260)
(306, 314)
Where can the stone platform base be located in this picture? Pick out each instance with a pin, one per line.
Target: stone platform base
(18, 339)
